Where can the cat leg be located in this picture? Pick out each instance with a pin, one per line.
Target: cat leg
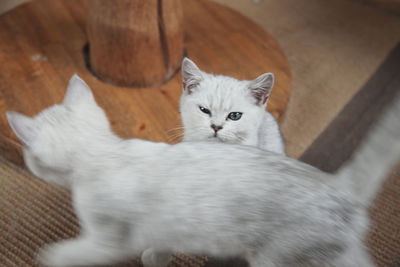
(83, 251)
(152, 258)
(103, 246)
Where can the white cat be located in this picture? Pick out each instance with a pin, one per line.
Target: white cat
(217, 107)
(200, 197)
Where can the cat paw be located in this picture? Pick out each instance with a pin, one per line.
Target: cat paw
(150, 258)
(48, 257)
(51, 256)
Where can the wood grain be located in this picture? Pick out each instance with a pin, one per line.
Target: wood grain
(41, 48)
(135, 43)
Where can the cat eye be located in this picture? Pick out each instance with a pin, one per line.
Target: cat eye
(204, 110)
(234, 116)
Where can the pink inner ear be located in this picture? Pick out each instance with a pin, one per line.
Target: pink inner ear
(189, 86)
(23, 127)
(260, 95)
(261, 87)
(191, 75)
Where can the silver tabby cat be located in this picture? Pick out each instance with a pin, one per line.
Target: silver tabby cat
(222, 108)
(136, 197)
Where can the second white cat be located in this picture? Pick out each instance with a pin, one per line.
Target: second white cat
(222, 108)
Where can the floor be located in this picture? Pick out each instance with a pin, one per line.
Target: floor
(333, 48)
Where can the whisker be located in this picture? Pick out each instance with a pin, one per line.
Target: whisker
(172, 139)
(174, 129)
(175, 136)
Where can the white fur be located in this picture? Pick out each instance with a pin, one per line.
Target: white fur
(222, 95)
(134, 196)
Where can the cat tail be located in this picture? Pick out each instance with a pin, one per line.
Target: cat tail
(364, 173)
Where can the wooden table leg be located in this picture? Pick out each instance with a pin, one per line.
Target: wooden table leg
(135, 42)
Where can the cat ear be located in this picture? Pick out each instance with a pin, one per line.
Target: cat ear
(77, 91)
(261, 87)
(191, 75)
(23, 127)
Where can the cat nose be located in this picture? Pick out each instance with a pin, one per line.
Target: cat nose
(216, 128)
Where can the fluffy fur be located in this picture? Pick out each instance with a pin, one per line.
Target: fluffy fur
(223, 200)
(221, 95)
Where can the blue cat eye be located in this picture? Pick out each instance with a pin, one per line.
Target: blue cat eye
(204, 110)
(234, 116)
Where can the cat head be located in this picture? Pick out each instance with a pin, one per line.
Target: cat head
(49, 139)
(217, 107)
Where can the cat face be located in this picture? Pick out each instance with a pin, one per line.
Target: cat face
(216, 107)
(49, 137)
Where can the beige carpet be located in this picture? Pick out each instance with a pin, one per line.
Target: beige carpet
(333, 47)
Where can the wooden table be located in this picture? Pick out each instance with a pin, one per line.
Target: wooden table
(41, 47)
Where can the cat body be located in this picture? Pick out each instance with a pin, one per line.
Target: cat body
(221, 108)
(133, 196)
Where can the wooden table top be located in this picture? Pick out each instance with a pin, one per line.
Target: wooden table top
(41, 47)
